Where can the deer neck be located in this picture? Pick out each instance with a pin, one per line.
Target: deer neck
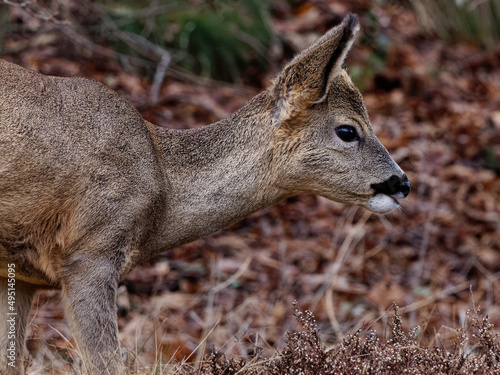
(217, 174)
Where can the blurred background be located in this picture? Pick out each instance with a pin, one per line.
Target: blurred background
(429, 73)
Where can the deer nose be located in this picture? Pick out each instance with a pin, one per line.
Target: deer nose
(393, 186)
(404, 187)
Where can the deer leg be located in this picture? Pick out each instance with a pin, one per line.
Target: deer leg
(14, 313)
(89, 295)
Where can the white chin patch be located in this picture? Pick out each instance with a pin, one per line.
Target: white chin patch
(382, 204)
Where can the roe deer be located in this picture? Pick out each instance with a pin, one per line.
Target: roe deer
(88, 188)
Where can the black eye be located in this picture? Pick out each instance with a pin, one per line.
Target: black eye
(347, 133)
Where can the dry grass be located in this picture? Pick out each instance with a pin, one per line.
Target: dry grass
(473, 20)
(472, 348)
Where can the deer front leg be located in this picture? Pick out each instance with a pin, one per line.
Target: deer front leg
(89, 294)
(13, 323)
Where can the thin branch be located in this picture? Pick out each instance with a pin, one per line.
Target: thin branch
(94, 47)
(161, 71)
(34, 10)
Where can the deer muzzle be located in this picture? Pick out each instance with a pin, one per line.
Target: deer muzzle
(387, 192)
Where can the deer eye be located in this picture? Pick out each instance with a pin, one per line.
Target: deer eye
(347, 133)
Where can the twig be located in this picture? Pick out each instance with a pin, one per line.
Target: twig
(422, 252)
(90, 45)
(161, 71)
(327, 289)
(34, 10)
(22, 4)
(436, 296)
(233, 278)
(203, 341)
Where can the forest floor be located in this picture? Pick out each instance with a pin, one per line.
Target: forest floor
(436, 108)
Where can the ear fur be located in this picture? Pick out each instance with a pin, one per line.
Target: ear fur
(307, 78)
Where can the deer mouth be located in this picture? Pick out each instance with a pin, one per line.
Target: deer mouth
(383, 203)
(387, 193)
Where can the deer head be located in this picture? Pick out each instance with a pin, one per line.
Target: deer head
(322, 123)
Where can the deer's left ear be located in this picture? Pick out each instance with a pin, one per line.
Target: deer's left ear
(307, 78)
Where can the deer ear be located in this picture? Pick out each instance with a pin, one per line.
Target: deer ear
(307, 78)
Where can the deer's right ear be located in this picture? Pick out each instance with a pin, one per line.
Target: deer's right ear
(307, 78)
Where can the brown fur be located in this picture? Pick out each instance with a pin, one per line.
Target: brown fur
(88, 188)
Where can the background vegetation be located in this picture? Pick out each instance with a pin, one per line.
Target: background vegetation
(431, 83)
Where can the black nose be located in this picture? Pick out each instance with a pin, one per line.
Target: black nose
(393, 186)
(404, 188)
